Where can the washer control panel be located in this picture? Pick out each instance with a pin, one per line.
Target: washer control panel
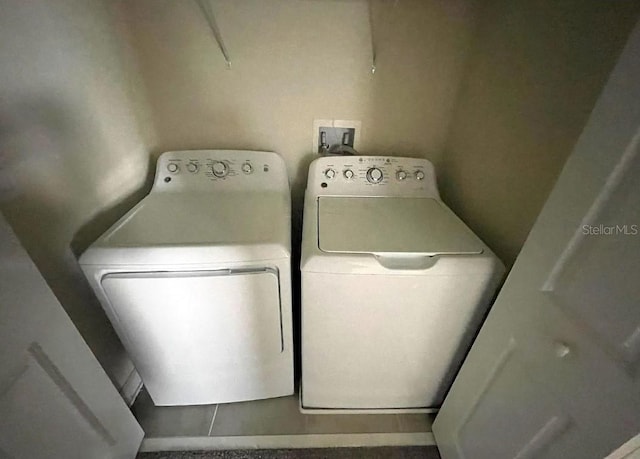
(220, 170)
(372, 176)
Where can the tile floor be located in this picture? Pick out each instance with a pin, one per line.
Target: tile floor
(278, 416)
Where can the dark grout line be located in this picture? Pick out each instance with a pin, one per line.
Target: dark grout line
(213, 419)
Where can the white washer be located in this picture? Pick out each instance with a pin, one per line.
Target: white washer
(394, 286)
(196, 278)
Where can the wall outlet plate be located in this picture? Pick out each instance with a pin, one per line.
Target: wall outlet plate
(334, 131)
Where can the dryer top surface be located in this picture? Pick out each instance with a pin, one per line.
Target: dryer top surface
(193, 215)
(163, 219)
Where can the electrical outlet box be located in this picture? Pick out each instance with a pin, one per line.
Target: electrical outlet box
(328, 134)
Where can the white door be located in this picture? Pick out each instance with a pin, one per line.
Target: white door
(55, 399)
(555, 370)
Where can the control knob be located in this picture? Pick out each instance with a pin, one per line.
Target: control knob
(330, 173)
(247, 168)
(173, 167)
(419, 175)
(192, 167)
(401, 175)
(374, 175)
(219, 169)
(348, 174)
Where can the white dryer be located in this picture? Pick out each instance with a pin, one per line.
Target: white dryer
(394, 286)
(196, 278)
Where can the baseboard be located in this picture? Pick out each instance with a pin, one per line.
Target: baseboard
(287, 441)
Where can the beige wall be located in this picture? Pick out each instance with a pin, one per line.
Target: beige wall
(534, 74)
(294, 61)
(72, 146)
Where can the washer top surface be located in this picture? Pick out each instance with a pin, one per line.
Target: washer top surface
(397, 225)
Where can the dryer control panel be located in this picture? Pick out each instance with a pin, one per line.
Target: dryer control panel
(220, 170)
(372, 176)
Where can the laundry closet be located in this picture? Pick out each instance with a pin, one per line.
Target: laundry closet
(494, 94)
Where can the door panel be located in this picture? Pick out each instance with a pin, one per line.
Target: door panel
(29, 434)
(55, 399)
(630, 450)
(596, 281)
(571, 303)
(504, 397)
(535, 386)
(512, 411)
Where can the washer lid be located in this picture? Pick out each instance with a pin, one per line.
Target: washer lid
(392, 225)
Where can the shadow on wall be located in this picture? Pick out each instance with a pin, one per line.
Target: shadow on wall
(297, 206)
(421, 49)
(90, 231)
(534, 74)
(42, 189)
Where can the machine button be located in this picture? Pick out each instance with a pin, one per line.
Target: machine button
(348, 174)
(173, 168)
(330, 173)
(401, 175)
(247, 168)
(219, 169)
(374, 175)
(419, 175)
(193, 167)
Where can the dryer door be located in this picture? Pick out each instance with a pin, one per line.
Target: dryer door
(199, 337)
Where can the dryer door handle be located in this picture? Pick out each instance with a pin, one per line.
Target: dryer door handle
(406, 262)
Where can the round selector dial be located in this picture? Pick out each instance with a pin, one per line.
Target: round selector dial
(419, 175)
(247, 168)
(348, 174)
(374, 175)
(219, 169)
(330, 173)
(173, 168)
(401, 175)
(193, 167)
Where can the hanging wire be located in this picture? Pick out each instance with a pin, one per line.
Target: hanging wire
(205, 5)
